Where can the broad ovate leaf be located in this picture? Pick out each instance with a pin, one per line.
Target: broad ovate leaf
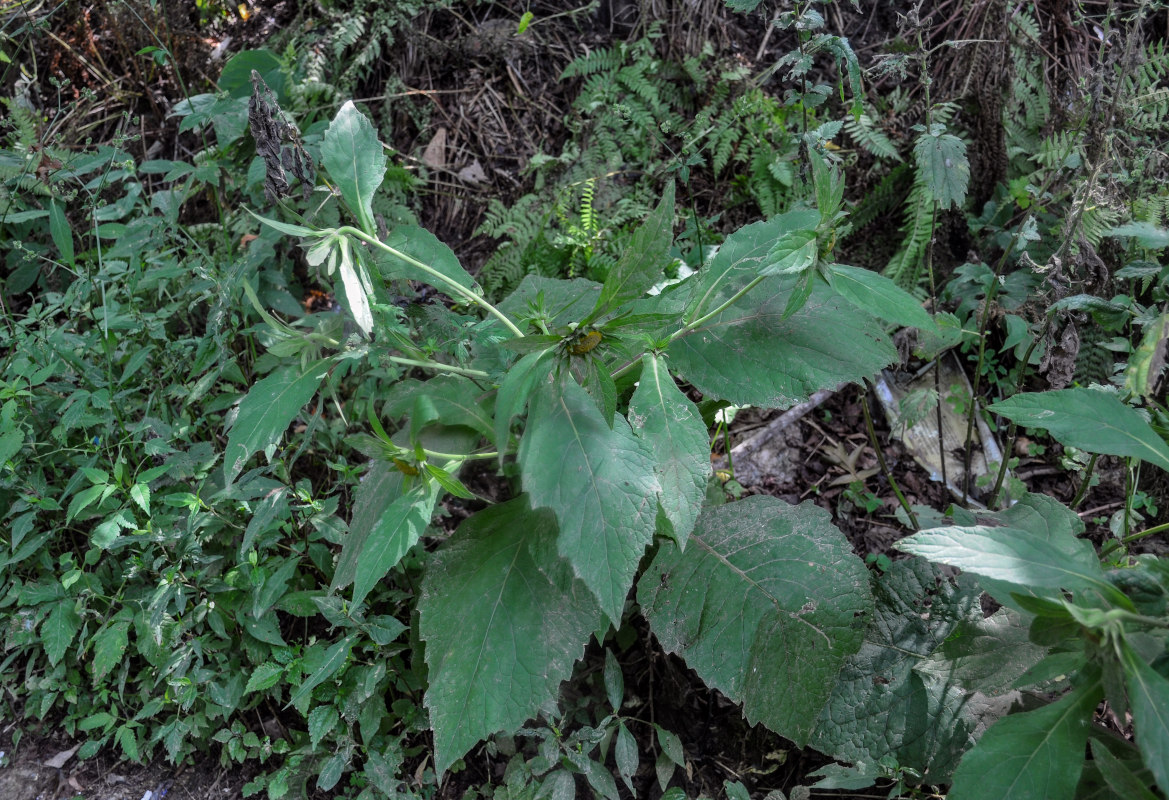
(765, 604)
(1012, 557)
(943, 165)
(743, 257)
(600, 483)
(356, 161)
(1036, 754)
(792, 254)
(671, 425)
(751, 355)
(1089, 419)
(422, 245)
(390, 513)
(565, 301)
(514, 391)
(266, 412)
(454, 399)
(985, 654)
(59, 629)
(888, 702)
(504, 620)
(397, 530)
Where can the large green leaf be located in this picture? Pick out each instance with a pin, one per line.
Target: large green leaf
(355, 160)
(792, 254)
(504, 620)
(879, 296)
(885, 703)
(451, 398)
(514, 391)
(397, 530)
(421, 245)
(599, 481)
(266, 411)
(744, 255)
(643, 260)
(565, 301)
(59, 629)
(1148, 692)
(1089, 419)
(1043, 518)
(750, 354)
(321, 667)
(1037, 754)
(109, 647)
(1119, 776)
(376, 492)
(765, 604)
(1012, 556)
(943, 165)
(670, 423)
(984, 654)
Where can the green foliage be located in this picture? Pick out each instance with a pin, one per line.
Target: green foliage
(780, 650)
(166, 591)
(1089, 621)
(595, 489)
(636, 108)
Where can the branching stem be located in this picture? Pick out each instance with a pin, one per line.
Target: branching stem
(458, 289)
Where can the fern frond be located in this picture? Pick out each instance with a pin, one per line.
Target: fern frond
(1096, 220)
(605, 59)
(1060, 149)
(345, 33)
(23, 124)
(724, 146)
(905, 266)
(871, 138)
(1153, 209)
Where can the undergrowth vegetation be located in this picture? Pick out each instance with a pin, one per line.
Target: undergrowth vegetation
(284, 483)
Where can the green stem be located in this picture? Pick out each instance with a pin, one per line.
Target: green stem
(1010, 443)
(454, 286)
(1085, 484)
(1003, 467)
(1132, 537)
(691, 326)
(888, 473)
(439, 366)
(459, 456)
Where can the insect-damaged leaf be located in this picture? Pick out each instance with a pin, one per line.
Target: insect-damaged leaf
(671, 425)
(599, 481)
(765, 604)
(504, 621)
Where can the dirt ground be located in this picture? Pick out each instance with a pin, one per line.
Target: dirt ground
(45, 767)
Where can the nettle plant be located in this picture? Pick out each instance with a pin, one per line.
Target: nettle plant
(571, 388)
